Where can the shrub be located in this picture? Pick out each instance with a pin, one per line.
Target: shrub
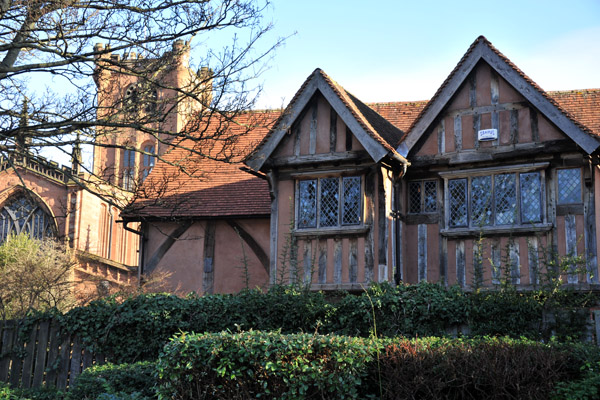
(124, 381)
(435, 368)
(256, 364)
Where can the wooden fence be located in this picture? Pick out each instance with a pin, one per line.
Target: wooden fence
(44, 356)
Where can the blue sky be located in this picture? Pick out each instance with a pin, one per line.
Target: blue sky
(398, 50)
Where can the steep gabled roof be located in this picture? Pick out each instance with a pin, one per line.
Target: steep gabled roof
(482, 49)
(183, 184)
(377, 135)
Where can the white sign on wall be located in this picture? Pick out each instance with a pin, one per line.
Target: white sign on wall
(487, 134)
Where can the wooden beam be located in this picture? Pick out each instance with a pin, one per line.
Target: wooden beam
(274, 226)
(457, 133)
(496, 260)
(337, 261)
(460, 263)
(332, 130)
(353, 260)
(312, 140)
(422, 252)
(322, 261)
(208, 276)
(514, 127)
(533, 260)
(589, 231)
(369, 220)
(165, 246)
(511, 106)
(515, 261)
(253, 244)
(346, 156)
(442, 137)
(307, 262)
(571, 246)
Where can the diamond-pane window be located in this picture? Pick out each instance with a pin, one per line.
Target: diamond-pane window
(430, 196)
(422, 197)
(351, 206)
(531, 197)
(496, 200)
(329, 202)
(505, 193)
(328, 215)
(307, 204)
(569, 186)
(457, 189)
(414, 197)
(481, 200)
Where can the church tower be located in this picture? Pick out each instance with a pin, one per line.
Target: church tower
(148, 101)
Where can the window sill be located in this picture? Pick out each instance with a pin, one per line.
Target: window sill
(496, 231)
(330, 232)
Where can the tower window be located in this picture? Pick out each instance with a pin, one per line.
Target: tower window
(128, 169)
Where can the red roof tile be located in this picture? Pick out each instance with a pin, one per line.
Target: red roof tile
(184, 184)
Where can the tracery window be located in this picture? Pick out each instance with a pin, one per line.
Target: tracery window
(22, 215)
(501, 198)
(329, 202)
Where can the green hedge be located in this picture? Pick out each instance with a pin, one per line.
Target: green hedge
(124, 381)
(137, 328)
(259, 364)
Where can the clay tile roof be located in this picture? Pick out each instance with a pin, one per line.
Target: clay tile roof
(401, 113)
(482, 39)
(183, 184)
(582, 105)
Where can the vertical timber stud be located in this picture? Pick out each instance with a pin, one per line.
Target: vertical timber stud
(209, 256)
(353, 260)
(307, 261)
(496, 259)
(533, 118)
(370, 222)
(460, 263)
(398, 271)
(515, 261)
(495, 95)
(589, 229)
(422, 252)
(514, 126)
(442, 137)
(443, 240)
(296, 134)
(274, 227)
(458, 133)
(383, 210)
(571, 245)
(533, 260)
(473, 104)
(337, 261)
(312, 142)
(322, 245)
(332, 130)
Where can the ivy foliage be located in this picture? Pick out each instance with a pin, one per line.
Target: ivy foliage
(137, 328)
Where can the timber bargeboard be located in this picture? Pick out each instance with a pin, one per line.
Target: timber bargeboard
(483, 51)
(316, 82)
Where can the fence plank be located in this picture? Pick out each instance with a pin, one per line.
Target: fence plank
(30, 347)
(8, 335)
(64, 363)
(75, 360)
(42, 353)
(52, 365)
(88, 359)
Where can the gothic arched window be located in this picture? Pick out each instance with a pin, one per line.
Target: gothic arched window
(20, 214)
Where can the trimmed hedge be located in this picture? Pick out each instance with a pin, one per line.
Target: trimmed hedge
(301, 366)
(260, 364)
(138, 327)
(124, 381)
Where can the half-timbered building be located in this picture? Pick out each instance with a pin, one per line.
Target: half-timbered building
(482, 183)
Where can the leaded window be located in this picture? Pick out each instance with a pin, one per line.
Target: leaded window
(422, 197)
(128, 169)
(569, 186)
(329, 202)
(148, 160)
(22, 215)
(495, 200)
